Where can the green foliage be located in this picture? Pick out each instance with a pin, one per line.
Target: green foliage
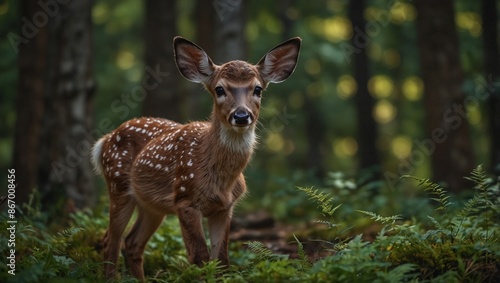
(452, 244)
(324, 200)
(379, 218)
(440, 194)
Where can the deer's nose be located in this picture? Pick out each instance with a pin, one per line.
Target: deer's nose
(241, 117)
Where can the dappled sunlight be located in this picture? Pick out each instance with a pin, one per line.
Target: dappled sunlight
(125, 59)
(470, 22)
(384, 112)
(100, 13)
(474, 114)
(381, 86)
(345, 147)
(346, 87)
(413, 88)
(275, 142)
(403, 12)
(334, 29)
(401, 147)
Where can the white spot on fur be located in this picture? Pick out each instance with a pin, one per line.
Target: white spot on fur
(183, 189)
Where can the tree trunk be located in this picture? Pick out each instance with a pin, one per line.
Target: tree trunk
(30, 102)
(448, 141)
(315, 135)
(229, 38)
(205, 25)
(492, 72)
(66, 142)
(367, 127)
(163, 98)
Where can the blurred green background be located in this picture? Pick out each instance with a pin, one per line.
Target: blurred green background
(308, 124)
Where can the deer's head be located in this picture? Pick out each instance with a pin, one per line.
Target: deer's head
(236, 86)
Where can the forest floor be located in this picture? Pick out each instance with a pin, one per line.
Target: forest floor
(278, 237)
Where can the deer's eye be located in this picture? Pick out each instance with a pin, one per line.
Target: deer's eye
(257, 91)
(220, 91)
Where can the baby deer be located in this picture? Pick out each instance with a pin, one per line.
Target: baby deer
(191, 170)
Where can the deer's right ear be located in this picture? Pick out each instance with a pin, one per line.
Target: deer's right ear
(192, 61)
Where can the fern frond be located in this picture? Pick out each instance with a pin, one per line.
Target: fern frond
(478, 176)
(300, 251)
(327, 223)
(441, 195)
(324, 200)
(262, 252)
(481, 200)
(436, 223)
(382, 219)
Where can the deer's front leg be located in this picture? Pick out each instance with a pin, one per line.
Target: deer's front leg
(218, 226)
(192, 233)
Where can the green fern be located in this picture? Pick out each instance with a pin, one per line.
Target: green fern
(441, 196)
(301, 253)
(382, 219)
(327, 223)
(263, 252)
(478, 176)
(324, 200)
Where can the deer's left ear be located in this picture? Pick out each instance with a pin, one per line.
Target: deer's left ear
(279, 63)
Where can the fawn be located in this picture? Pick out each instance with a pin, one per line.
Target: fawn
(191, 170)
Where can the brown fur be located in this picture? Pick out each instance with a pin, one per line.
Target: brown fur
(194, 170)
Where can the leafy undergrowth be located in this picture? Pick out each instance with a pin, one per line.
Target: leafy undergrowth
(453, 243)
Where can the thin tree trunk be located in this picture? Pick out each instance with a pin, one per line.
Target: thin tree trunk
(229, 37)
(205, 25)
(162, 93)
(448, 142)
(64, 167)
(30, 103)
(366, 126)
(492, 72)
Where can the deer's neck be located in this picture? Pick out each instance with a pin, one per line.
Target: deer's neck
(228, 151)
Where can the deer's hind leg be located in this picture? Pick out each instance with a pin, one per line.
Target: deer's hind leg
(120, 211)
(146, 224)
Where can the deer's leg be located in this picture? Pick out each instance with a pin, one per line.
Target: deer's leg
(218, 226)
(135, 242)
(120, 211)
(192, 233)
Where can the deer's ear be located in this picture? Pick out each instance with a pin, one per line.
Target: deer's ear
(192, 61)
(279, 63)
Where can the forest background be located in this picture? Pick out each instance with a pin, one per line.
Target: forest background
(382, 89)
(379, 90)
